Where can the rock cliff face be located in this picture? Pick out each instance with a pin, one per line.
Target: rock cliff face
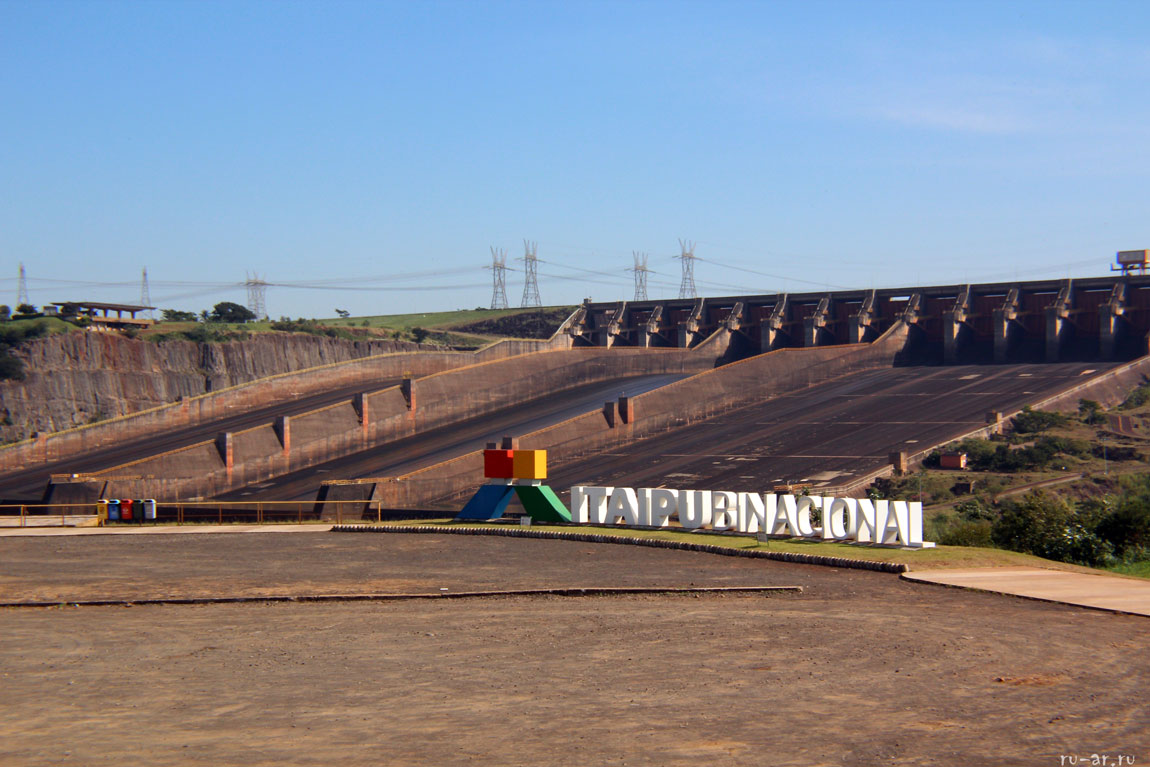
(78, 378)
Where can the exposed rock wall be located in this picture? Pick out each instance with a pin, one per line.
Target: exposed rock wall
(77, 378)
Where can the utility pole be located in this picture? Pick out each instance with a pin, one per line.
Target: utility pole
(498, 278)
(257, 290)
(531, 278)
(640, 269)
(687, 255)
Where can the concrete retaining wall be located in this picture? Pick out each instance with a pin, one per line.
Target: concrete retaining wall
(678, 404)
(204, 408)
(257, 454)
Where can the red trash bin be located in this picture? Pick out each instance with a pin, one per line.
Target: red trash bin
(126, 510)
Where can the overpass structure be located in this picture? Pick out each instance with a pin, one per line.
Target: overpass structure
(1052, 320)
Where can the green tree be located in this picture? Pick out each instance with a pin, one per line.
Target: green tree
(5, 312)
(227, 311)
(175, 315)
(1090, 411)
(1031, 421)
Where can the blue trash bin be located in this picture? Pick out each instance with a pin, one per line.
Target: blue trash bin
(114, 510)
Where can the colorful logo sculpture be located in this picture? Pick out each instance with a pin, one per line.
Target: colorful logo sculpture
(518, 472)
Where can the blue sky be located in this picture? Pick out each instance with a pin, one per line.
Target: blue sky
(365, 156)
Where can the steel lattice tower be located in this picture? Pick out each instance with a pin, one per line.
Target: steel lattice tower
(145, 294)
(687, 255)
(531, 278)
(21, 289)
(640, 269)
(257, 290)
(498, 279)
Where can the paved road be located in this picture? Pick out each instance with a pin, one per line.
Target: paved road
(28, 484)
(406, 455)
(1127, 595)
(827, 434)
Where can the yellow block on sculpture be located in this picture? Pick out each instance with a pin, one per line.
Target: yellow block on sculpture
(530, 464)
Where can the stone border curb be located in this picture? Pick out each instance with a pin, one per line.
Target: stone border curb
(587, 591)
(706, 548)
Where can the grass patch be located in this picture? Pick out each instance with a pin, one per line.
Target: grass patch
(429, 320)
(1136, 569)
(940, 557)
(17, 330)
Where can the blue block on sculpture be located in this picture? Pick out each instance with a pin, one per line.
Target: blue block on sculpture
(489, 502)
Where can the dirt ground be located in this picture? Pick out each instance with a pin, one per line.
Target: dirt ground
(860, 669)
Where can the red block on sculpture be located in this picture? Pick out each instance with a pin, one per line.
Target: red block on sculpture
(498, 464)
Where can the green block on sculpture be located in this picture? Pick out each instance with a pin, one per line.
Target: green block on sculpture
(541, 504)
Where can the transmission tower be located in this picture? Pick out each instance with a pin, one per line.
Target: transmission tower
(640, 271)
(687, 255)
(22, 289)
(498, 279)
(146, 295)
(531, 283)
(257, 290)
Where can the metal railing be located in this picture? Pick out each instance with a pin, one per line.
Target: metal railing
(203, 512)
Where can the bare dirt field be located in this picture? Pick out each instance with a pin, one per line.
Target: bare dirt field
(861, 668)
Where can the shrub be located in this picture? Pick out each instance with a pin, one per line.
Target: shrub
(11, 368)
(973, 511)
(965, 532)
(1127, 528)
(1032, 421)
(1047, 526)
(1115, 452)
(1139, 397)
(13, 334)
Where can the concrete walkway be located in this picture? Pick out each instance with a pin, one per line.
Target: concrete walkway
(24, 532)
(1103, 592)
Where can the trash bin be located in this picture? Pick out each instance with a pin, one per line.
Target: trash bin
(149, 507)
(114, 510)
(101, 512)
(126, 510)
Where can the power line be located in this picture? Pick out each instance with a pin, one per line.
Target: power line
(531, 276)
(772, 276)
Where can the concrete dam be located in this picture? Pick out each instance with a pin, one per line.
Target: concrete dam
(1051, 321)
(730, 352)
